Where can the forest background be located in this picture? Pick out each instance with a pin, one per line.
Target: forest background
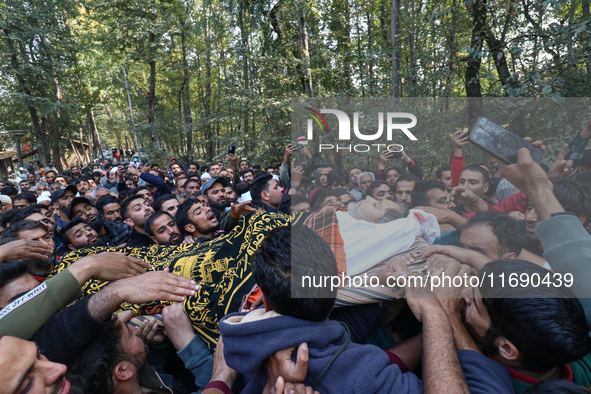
(205, 74)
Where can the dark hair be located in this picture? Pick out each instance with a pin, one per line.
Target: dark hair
(54, 173)
(493, 183)
(546, 323)
(287, 256)
(160, 174)
(476, 168)
(24, 180)
(94, 366)
(161, 200)
(105, 200)
(27, 196)
(328, 164)
(572, 197)
(439, 173)
(127, 203)
(8, 216)
(259, 185)
(139, 189)
(9, 190)
(484, 164)
(241, 187)
(510, 233)
(31, 209)
(398, 169)
(246, 171)
(419, 193)
(336, 176)
(297, 199)
(63, 236)
(80, 180)
(321, 194)
(584, 180)
(269, 168)
(243, 160)
(557, 387)
(285, 204)
(408, 178)
(151, 219)
(373, 186)
(182, 214)
(189, 180)
(11, 270)
(586, 159)
(16, 227)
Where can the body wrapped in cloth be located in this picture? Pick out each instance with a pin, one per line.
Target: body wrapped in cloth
(221, 267)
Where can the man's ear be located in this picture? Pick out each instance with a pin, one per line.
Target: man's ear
(123, 371)
(485, 188)
(190, 228)
(509, 256)
(153, 238)
(265, 196)
(71, 247)
(129, 222)
(582, 218)
(506, 349)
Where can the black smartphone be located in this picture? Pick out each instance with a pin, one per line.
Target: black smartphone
(395, 154)
(231, 150)
(500, 142)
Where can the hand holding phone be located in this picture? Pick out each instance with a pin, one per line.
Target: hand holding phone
(231, 150)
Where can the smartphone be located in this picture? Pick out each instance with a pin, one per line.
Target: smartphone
(500, 142)
(231, 150)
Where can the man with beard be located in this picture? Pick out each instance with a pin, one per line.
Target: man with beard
(167, 203)
(247, 175)
(23, 200)
(98, 192)
(37, 213)
(75, 173)
(192, 188)
(110, 208)
(50, 177)
(214, 190)
(78, 234)
(63, 197)
(135, 211)
(81, 184)
(33, 231)
(163, 230)
(110, 233)
(196, 219)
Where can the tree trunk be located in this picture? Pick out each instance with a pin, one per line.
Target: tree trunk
(187, 93)
(394, 34)
(411, 49)
(585, 7)
(305, 49)
(245, 77)
(207, 101)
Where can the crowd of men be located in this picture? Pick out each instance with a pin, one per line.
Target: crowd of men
(482, 220)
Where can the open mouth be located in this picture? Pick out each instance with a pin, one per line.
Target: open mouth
(148, 214)
(92, 218)
(211, 217)
(92, 239)
(174, 238)
(530, 227)
(65, 387)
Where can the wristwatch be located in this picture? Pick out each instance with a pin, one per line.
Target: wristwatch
(297, 187)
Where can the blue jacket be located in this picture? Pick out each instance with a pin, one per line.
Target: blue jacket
(357, 369)
(483, 375)
(161, 186)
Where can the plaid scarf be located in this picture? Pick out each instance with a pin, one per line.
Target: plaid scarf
(325, 224)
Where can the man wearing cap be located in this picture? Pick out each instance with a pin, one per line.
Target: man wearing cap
(63, 197)
(110, 233)
(6, 202)
(214, 190)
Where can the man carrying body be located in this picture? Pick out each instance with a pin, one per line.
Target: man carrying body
(135, 211)
(111, 233)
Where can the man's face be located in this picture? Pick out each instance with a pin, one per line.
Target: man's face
(175, 169)
(365, 181)
(66, 199)
(275, 193)
(271, 171)
(476, 317)
(145, 194)
(134, 347)
(346, 199)
(204, 220)
(2, 185)
(112, 176)
(50, 177)
(230, 193)
(193, 168)
(301, 207)
(230, 173)
(82, 187)
(171, 206)
(31, 178)
(41, 188)
(112, 212)
(85, 211)
(139, 211)
(53, 188)
(244, 165)
(75, 171)
(332, 201)
(473, 181)
(217, 193)
(404, 190)
(336, 185)
(102, 193)
(214, 170)
(391, 177)
(165, 230)
(446, 180)
(20, 204)
(16, 289)
(370, 209)
(192, 189)
(82, 236)
(481, 239)
(437, 199)
(44, 218)
(324, 175)
(91, 184)
(25, 370)
(353, 174)
(383, 192)
(61, 180)
(37, 234)
(248, 177)
(6, 206)
(25, 186)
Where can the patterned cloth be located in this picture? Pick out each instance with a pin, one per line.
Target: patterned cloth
(221, 267)
(325, 224)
